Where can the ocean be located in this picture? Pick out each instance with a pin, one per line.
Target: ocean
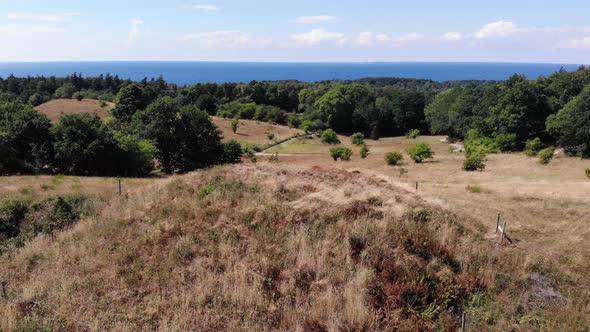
(186, 73)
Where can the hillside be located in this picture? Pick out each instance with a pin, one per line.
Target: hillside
(321, 249)
(54, 109)
(254, 132)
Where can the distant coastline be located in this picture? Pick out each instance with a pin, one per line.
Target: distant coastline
(191, 72)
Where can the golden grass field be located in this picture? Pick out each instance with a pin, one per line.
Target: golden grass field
(172, 256)
(54, 109)
(254, 132)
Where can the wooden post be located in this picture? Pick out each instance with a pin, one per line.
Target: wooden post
(4, 293)
(416, 186)
(119, 186)
(463, 323)
(503, 233)
(497, 222)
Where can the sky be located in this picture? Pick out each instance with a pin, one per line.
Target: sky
(296, 31)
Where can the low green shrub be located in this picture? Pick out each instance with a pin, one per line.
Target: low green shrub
(393, 158)
(274, 158)
(420, 152)
(420, 215)
(375, 201)
(357, 139)
(474, 162)
(505, 142)
(341, 153)
(413, 134)
(364, 152)
(474, 188)
(546, 155)
(270, 136)
(329, 137)
(533, 147)
(232, 152)
(234, 125)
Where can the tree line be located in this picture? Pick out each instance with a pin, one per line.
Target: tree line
(156, 124)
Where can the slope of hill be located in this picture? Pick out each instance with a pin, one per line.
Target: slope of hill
(54, 109)
(270, 247)
(254, 132)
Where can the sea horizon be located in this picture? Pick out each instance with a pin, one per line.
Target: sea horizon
(192, 72)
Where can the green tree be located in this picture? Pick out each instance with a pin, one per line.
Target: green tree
(129, 100)
(185, 136)
(420, 152)
(232, 152)
(393, 158)
(571, 125)
(357, 139)
(234, 125)
(364, 152)
(329, 137)
(207, 103)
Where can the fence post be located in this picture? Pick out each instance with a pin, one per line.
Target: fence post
(503, 233)
(4, 293)
(119, 186)
(416, 186)
(463, 323)
(497, 222)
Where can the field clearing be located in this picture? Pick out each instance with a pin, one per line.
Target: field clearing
(547, 207)
(253, 132)
(54, 109)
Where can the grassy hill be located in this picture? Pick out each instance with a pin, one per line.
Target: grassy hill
(254, 132)
(321, 249)
(54, 109)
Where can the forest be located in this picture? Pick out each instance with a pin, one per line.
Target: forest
(158, 125)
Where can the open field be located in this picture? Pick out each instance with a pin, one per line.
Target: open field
(54, 109)
(172, 260)
(254, 132)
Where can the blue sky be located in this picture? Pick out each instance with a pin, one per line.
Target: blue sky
(301, 30)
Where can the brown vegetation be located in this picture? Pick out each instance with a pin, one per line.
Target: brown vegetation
(54, 109)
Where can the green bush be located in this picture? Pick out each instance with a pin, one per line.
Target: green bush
(505, 142)
(274, 158)
(413, 134)
(364, 152)
(420, 152)
(341, 153)
(474, 162)
(476, 189)
(533, 147)
(546, 155)
(232, 152)
(329, 137)
(375, 201)
(357, 139)
(270, 136)
(393, 158)
(78, 96)
(234, 125)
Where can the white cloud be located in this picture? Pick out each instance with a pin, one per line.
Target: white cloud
(365, 38)
(453, 36)
(498, 29)
(9, 30)
(318, 36)
(315, 19)
(383, 38)
(42, 17)
(575, 43)
(226, 39)
(203, 7)
(410, 37)
(135, 31)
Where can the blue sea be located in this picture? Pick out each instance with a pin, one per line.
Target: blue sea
(185, 73)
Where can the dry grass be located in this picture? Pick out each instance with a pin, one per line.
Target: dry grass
(253, 132)
(193, 253)
(54, 109)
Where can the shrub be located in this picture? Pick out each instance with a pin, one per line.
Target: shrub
(546, 155)
(533, 147)
(232, 152)
(341, 153)
(364, 152)
(393, 158)
(78, 96)
(420, 152)
(474, 162)
(420, 215)
(505, 142)
(474, 189)
(588, 173)
(270, 136)
(375, 201)
(294, 120)
(413, 134)
(329, 137)
(234, 125)
(274, 158)
(103, 104)
(357, 139)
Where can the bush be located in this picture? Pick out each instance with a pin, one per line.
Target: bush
(364, 152)
(375, 201)
(234, 125)
(357, 139)
(329, 137)
(413, 134)
(533, 147)
(588, 173)
(341, 153)
(505, 142)
(78, 96)
(476, 189)
(294, 120)
(474, 162)
(546, 155)
(274, 158)
(232, 152)
(393, 158)
(270, 136)
(420, 152)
